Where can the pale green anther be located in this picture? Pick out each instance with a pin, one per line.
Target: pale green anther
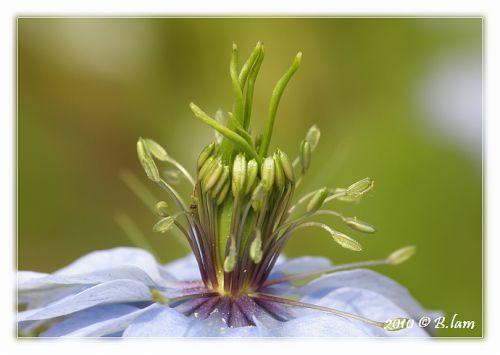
(312, 136)
(258, 196)
(397, 324)
(279, 174)
(239, 174)
(342, 196)
(256, 248)
(358, 225)
(156, 149)
(223, 193)
(286, 165)
(401, 255)
(158, 297)
(212, 176)
(346, 242)
(207, 166)
(147, 161)
(164, 224)
(230, 259)
(252, 170)
(360, 188)
(221, 182)
(317, 200)
(267, 173)
(161, 209)
(205, 153)
(305, 155)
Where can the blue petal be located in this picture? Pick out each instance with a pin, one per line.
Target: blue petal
(311, 325)
(161, 321)
(117, 257)
(109, 292)
(302, 264)
(184, 269)
(367, 304)
(126, 272)
(95, 321)
(294, 266)
(216, 326)
(38, 289)
(41, 298)
(365, 279)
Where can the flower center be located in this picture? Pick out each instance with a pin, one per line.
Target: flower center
(238, 211)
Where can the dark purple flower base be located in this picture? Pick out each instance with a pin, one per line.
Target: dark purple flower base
(239, 312)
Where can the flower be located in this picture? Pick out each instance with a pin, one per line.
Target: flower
(235, 282)
(112, 293)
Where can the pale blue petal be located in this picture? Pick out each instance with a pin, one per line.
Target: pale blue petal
(25, 276)
(110, 292)
(294, 266)
(302, 264)
(365, 279)
(89, 322)
(216, 326)
(161, 321)
(116, 257)
(184, 269)
(366, 304)
(311, 325)
(41, 298)
(125, 272)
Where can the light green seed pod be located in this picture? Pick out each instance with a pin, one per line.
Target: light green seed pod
(358, 225)
(239, 174)
(305, 155)
(256, 248)
(401, 255)
(156, 149)
(220, 183)
(317, 200)
(279, 174)
(267, 173)
(207, 166)
(147, 161)
(212, 176)
(230, 260)
(161, 209)
(164, 224)
(223, 193)
(286, 165)
(312, 136)
(252, 170)
(360, 188)
(346, 242)
(205, 153)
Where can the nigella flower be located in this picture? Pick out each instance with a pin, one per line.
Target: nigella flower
(240, 216)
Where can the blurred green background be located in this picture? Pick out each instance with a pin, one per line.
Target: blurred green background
(396, 99)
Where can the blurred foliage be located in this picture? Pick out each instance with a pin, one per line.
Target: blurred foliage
(87, 88)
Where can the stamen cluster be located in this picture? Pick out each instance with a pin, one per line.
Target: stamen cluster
(241, 212)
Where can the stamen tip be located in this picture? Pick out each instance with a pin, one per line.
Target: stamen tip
(401, 255)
